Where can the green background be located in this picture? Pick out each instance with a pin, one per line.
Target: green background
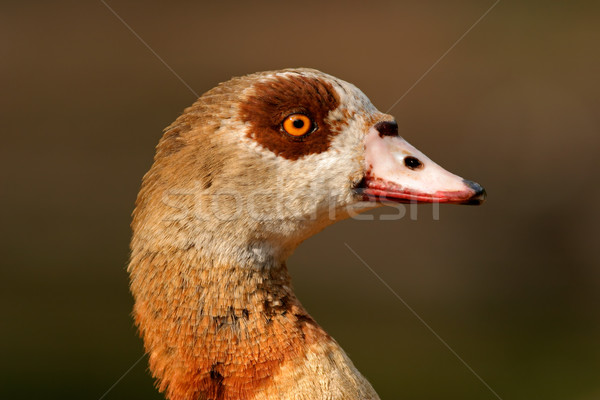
(512, 286)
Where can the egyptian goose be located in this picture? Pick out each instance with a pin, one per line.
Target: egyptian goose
(250, 170)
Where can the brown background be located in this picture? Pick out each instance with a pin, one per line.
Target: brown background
(512, 286)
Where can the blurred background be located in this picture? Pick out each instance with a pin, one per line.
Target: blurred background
(512, 286)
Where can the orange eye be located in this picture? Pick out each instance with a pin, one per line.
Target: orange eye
(297, 124)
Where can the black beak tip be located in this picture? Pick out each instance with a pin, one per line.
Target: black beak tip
(479, 195)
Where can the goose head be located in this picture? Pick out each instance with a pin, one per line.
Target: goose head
(274, 157)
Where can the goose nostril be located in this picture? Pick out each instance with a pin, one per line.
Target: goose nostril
(412, 163)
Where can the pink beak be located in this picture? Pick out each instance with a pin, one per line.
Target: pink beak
(398, 172)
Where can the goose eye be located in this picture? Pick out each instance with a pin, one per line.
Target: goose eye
(297, 124)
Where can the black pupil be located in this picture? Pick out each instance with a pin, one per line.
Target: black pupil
(412, 162)
(298, 123)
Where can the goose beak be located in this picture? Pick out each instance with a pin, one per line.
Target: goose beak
(398, 172)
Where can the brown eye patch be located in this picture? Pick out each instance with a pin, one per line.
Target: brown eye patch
(275, 99)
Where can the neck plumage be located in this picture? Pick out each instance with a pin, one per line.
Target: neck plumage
(218, 331)
(233, 331)
(214, 304)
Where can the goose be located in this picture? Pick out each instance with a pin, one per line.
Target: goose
(254, 167)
